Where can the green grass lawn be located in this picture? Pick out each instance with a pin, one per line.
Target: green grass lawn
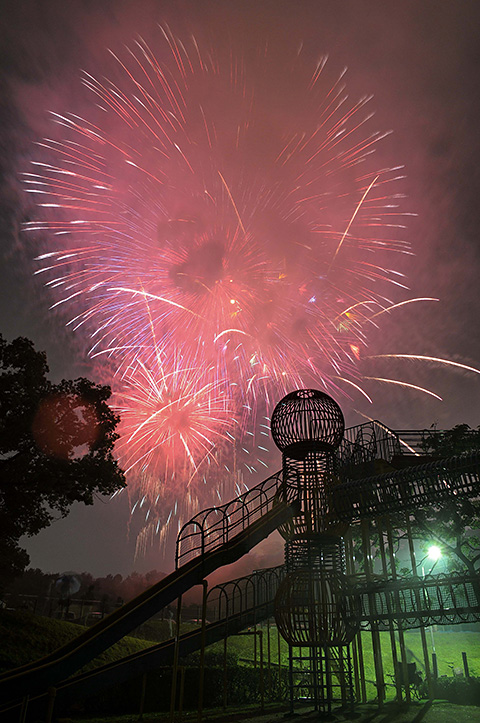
(448, 647)
(27, 637)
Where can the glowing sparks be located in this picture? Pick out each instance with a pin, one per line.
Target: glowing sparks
(146, 295)
(162, 411)
(354, 215)
(249, 262)
(401, 303)
(357, 387)
(417, 357)
(406, 385)
(214, 252)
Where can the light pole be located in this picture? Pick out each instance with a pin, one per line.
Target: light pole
(434, 554)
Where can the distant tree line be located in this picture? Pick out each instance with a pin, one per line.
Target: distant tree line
(114, 588)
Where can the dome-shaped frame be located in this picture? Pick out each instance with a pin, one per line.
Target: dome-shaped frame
(314, 608)
(307, 420)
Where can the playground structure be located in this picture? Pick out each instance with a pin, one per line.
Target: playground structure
(339, 493)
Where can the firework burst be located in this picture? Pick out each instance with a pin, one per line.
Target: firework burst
(167, 415)
(221, 233)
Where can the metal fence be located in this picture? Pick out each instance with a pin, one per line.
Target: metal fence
(419, 441)
(244, 593)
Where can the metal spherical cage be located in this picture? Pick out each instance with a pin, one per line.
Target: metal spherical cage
(313, 609)
(307, 420)
(323, 553)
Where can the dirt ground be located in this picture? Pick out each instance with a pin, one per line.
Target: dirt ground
(439, 712)
(423, 712)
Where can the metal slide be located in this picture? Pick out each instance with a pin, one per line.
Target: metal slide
(217, 537)
(239, 603)
(251, 599)
(409, 488)
(137, 664)
(214, 538)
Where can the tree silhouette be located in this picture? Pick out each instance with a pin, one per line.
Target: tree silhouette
(56, 444)
(454, 525)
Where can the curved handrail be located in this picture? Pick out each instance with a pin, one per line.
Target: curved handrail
(73, 655)
(235, 596)
(366, 442)
(215, 526)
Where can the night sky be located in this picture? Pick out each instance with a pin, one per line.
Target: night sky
(420, 61)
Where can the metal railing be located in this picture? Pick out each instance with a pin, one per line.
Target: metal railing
(366, 442)
(414, 441)
(244, 593)
(417, 602)
(214, 527)
(408, 488)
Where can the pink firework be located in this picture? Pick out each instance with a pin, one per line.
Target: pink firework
(175, 421)
(171, 411)
(221, 234)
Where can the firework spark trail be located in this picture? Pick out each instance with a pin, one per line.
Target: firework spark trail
(406, 385)
(418, 357)
(401, 303)
(148, 115)
(222, 236)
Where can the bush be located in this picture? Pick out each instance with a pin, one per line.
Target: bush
(243, 688)
(459, 690)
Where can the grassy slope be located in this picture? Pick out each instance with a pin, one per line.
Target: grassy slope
(26, 637)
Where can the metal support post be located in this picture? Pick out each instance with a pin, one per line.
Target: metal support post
(401, 637)
(23, 709)
(182, 691)
(269, 661)
(377, 648)
(357, 651)
(52, 692)
(290, 676)
(262, 682)
(201, 676)
(423, 636)
(142, 696)
(173, 693)
(258, 633)
(391, 628)
(225, 667)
